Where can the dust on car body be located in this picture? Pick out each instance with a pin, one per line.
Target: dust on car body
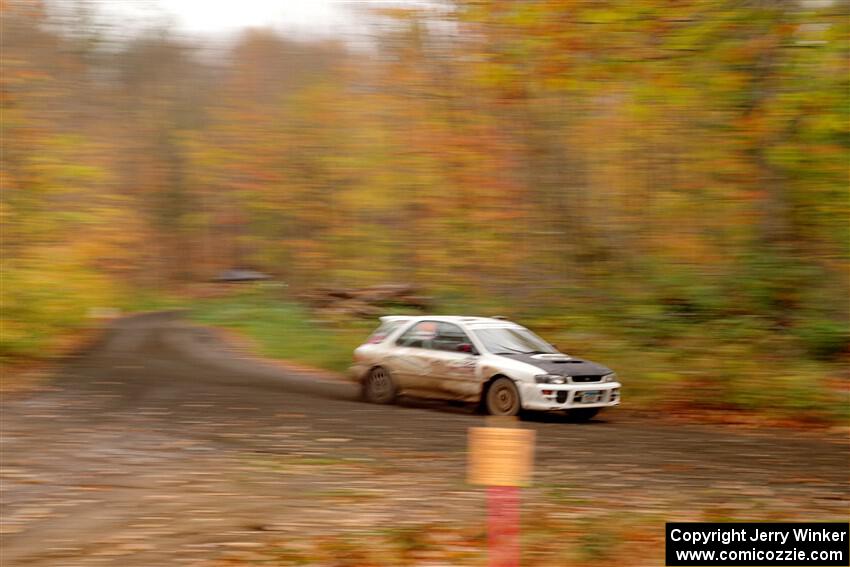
(497, 363)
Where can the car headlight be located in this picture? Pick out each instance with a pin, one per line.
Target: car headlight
(610, 377)
(549, 379)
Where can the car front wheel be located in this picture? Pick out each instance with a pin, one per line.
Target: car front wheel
(378, 387)
(502, 398)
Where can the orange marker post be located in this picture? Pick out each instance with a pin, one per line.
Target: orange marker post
(501, 458)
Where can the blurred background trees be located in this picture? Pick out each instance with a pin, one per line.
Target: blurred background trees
(679, 167)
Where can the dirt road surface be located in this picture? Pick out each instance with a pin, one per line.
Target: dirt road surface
(163, 446)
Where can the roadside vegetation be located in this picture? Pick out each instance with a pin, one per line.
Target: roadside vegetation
(284, 329)
(547, 541)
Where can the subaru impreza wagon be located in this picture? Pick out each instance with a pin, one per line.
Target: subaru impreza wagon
(493, 362)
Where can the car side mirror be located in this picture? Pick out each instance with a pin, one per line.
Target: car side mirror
(466, 347)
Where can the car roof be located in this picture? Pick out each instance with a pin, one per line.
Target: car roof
(474, 322)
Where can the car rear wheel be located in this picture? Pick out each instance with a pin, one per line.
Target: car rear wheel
(582, 414)
(378, 387)
(502, 398)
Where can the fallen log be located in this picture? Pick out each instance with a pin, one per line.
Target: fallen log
(367, 302)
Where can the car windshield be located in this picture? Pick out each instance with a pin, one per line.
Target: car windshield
(507, 340)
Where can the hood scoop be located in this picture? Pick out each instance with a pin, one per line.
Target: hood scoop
(553, 357)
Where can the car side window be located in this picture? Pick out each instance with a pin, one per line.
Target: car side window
(449, 337)
(420, 335)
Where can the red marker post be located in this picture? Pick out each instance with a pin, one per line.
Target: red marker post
(501, 458)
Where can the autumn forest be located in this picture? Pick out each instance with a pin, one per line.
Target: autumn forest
(665, 183)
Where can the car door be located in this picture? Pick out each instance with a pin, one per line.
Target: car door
(454, 363)
(413, 359)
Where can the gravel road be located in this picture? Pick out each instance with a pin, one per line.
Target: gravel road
(165, 446)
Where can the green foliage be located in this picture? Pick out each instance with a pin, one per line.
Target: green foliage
(284, 329)
(43, 299)
(823, 338)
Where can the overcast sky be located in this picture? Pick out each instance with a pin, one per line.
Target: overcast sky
(214, 16)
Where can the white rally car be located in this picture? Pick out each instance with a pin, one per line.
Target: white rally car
(499, 364)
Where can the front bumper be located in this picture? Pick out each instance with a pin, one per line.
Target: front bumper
(548, 397)
(357, 371)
